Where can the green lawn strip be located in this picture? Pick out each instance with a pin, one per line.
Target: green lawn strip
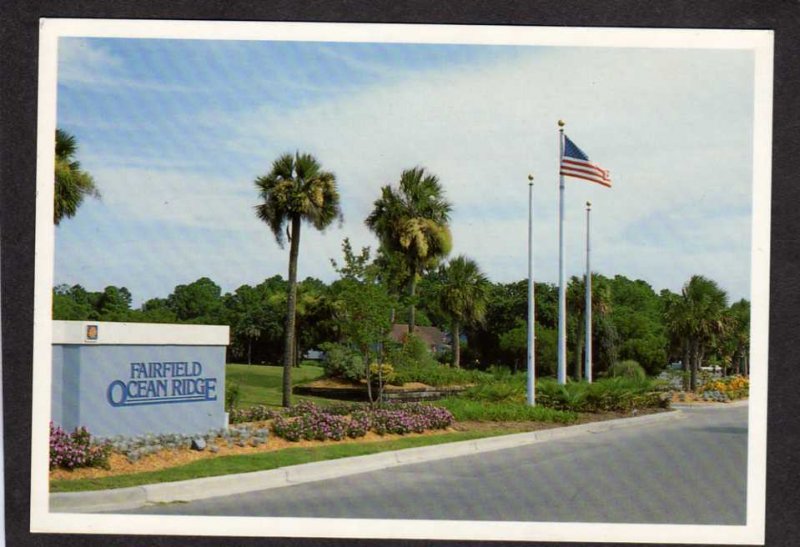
(262, 384)
(227, 465)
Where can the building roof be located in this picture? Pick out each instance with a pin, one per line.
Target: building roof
(432, 336)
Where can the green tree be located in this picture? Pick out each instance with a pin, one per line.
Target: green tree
(72, 184)
(697, 319)
(295, 190)
(576, 309)
(740, 335)
(462, 294)
(197, 302)
(411, 221)
(157, 310)
(114, 304)
(71, 303)
(637, 314)
(362, 308)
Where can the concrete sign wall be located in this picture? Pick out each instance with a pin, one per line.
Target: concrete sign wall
(137, 378)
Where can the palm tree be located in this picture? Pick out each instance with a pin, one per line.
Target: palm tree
(576, 308)
(72, 184)
(740, 333)
(411, 221)
(295, 190)
(463, 295)
(698, 318)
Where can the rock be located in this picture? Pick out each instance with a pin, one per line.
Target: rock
(198, 444)
(213, 449)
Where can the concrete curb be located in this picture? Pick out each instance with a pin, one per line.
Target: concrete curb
(227, 485)
(704, 406)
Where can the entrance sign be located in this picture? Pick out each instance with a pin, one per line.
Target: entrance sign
(138, 378)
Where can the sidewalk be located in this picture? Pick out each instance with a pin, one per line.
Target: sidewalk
(226, 485)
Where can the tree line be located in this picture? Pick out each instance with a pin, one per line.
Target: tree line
(630, 319)
(410, 280)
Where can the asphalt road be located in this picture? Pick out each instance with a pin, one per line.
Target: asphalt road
(687, 471)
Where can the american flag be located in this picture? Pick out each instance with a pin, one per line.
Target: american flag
(574, 163)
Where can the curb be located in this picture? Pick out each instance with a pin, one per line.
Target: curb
(711, 405)
(227, 485)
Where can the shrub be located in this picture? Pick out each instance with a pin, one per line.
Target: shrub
(627, 369)
(342, 362)
(232, 395)
(76, 449)
(255, 413)
(618, 394)
(435, 374)
(310, 422)
(723, 389)
(386, 372)
(486, 411)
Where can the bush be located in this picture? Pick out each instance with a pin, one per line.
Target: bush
(310, 422)
(232, 395)
(725, 389)
(342, 362)
(486, 411)
(257, 413)
(435, 374)
(384, 371)
(77, 449)
(627, 369)
(618, 394)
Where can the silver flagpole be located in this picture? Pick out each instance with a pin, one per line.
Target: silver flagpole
(531, 309)
(562, 292)
(588, 283)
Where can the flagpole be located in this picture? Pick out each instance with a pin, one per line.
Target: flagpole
(531, 308)
(562, 293)
(588, 283)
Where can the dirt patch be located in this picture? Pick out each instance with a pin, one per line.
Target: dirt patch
(336, 383)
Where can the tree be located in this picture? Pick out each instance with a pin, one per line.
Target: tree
(637, 314)
(462, 294)
(197, 302)
(576, 309)
(72, 184)
(411, 221)
(114, 304)
(362, 308)
(296, 190)
(696, 318)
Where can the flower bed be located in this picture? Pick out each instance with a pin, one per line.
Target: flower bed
(76, 449)
(307, 421)
(725, 389)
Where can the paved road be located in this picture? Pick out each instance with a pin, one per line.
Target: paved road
(687, 471)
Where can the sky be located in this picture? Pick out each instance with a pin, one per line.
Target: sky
(176, 131)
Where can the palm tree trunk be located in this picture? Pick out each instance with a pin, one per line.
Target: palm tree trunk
(456, 345)
(694, 364)
(291, 305)
(412, 310)
(687, 363)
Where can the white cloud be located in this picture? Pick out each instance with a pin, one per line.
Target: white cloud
(679, 154)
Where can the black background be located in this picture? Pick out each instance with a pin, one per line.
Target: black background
(18, 100)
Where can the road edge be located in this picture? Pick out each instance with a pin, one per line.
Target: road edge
(226, 485)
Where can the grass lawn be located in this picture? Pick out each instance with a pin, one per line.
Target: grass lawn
(262, 384)
(226, 465)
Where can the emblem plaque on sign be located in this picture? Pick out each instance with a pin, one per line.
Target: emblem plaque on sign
(91, 333)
